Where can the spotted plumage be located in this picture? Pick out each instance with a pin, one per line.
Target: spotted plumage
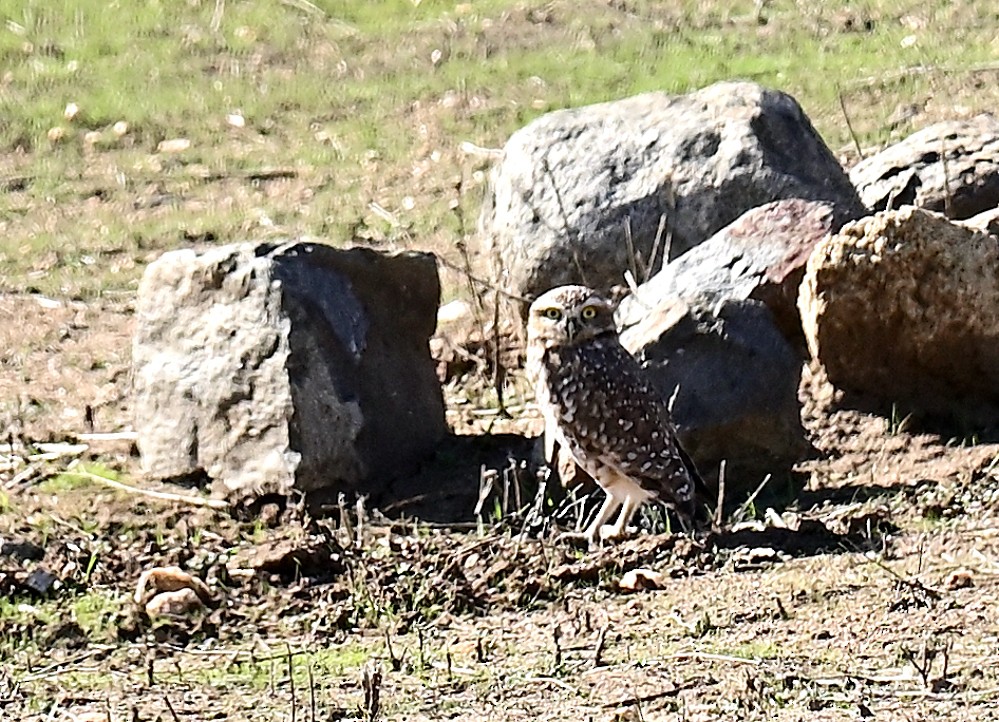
(599, 405)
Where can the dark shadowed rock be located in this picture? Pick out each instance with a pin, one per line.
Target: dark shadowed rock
(735, 378)
(903, 307)
(579, 194)
(951, 167)
(761, 255)
(273, 368)
(21, 550)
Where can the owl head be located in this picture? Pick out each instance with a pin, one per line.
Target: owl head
(569, 315)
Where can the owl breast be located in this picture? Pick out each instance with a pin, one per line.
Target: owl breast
(609, 415)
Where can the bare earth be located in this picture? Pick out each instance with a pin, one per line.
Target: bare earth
(876, 601)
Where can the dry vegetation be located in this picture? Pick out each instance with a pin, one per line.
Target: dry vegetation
(345, 121)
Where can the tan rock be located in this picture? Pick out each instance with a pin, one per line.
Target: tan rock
(173, 145)
(174, 604)
(169, 579)
(638, 579)
(903, 307)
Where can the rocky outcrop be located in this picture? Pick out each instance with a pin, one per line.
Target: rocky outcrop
(903, 308)
(735, 379)
(761, 256)
(582, 195)
(279, 368)
(951, 167)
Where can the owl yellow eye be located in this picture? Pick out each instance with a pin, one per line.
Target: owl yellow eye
(589, 313)
(553, 313)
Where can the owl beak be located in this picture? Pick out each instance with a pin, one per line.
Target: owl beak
(571, 328)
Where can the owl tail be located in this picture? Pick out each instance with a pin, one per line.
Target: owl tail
(701, 506)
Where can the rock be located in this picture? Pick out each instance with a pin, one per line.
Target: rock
(951, 167)
(571, 185)
(903, 308)
(173, 604)
(735, 378)
(635, 580)
(761, 255)
(21, 550)
(168, 579)
(273, 368)
(987, 221)
(959, 579)
(291, 559)
(40, 581)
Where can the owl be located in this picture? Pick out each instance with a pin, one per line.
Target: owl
(598, 404)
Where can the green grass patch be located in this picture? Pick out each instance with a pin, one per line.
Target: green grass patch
(259, 673)
(366, 105)
(68, 480)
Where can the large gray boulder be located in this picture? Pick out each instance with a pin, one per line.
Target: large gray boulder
(903, 308)
(735, 380)
(951, 167)
(760, 256)
(579, 195)
(279, 368)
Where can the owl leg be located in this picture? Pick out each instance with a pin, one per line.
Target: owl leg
(550, 436)
(592, 533)
(620, 527)
(610, 505)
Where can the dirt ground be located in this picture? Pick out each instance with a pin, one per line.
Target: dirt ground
(870, 595)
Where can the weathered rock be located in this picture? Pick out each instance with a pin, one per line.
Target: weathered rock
(735, 378)
(761, 255)
(951, 167)
(579, 194)
(987, 221)
(295, 367)
(903, 307)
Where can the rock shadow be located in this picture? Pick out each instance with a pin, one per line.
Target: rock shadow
(446, 489)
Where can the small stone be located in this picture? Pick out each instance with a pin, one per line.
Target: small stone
(457, 311)
(169, 579)
(638, 579)
(959, 579)
(41, 581)
(22, 551)
(174, 145)
(175, 604)
(72, 110)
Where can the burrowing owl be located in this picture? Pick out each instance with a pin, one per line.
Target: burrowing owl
(599, 405)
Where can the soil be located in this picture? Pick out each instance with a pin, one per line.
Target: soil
(868, 595)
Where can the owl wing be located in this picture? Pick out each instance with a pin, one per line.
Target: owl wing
(635, 433)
